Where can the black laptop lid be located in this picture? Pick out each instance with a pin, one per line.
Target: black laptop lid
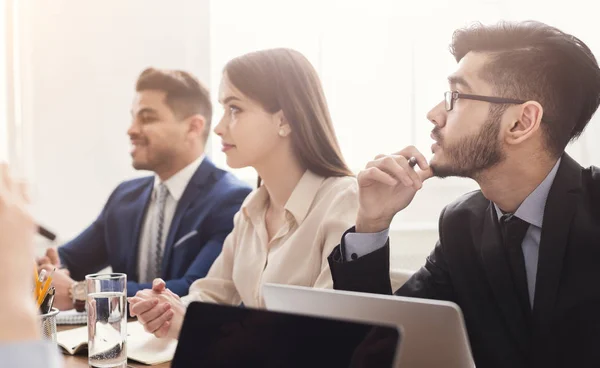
(215, 335)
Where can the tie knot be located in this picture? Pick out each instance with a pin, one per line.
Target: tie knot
(507, 217)
(162, 192)
(511, 218)
(513, 224)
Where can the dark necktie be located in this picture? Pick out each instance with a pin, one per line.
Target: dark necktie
(513, 231)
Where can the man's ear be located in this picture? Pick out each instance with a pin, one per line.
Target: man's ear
(197, 124)
(524, 122)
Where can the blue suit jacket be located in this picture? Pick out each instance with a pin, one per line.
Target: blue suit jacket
(202, 220)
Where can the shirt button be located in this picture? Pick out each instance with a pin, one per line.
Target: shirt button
(354, 256)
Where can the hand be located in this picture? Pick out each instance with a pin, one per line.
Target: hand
(159, 310)
(386, 187)
(62, 282)
(51, 257)
(17, 229)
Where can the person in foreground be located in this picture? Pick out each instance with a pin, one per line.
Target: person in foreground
(20, 343)
(520, 255)
(172, 224)
(276, 120)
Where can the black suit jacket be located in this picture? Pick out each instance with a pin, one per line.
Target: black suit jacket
(469, 267)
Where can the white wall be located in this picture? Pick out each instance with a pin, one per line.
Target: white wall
(80, 61)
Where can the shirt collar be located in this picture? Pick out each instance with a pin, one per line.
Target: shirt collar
(297, 205)
(177, 183)
(532, 208)
(303, 195)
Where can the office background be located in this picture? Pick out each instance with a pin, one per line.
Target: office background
(68, 68)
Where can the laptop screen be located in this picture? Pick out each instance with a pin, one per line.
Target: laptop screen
(224, 336)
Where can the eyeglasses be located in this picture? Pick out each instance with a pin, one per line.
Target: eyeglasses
(451, 96)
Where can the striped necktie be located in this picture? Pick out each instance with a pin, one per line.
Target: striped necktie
(156, 250)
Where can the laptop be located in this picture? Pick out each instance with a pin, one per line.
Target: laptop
(434, 333)
(216, 335)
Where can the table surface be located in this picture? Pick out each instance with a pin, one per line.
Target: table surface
(81, 360)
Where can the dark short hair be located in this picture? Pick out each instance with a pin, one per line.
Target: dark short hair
(185, 95)
(533, 61)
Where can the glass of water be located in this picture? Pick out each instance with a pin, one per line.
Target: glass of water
(107, 319)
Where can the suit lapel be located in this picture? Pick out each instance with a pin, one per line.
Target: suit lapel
(499, 276)
(141, 206)
(558, 216)
(195, 189)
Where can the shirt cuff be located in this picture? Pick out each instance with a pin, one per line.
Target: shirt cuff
(188, 299)
(357, 245)
(35, 353)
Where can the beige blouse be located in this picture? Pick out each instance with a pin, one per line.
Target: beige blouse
(318, 212)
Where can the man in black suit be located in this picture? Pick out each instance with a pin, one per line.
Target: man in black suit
(521, 255)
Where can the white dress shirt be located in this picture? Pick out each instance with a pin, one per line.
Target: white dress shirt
(317, 214)
(176, 185)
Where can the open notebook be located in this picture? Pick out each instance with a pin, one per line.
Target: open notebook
(142, 347)
(71, 317)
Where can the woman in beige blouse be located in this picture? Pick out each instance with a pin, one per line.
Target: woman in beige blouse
(276, 120)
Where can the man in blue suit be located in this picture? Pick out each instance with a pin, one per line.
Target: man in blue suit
(170, 225)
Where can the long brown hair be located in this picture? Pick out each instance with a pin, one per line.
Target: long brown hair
(284, 80)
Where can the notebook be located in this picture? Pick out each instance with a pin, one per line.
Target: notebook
(71, 317)
(142, 346)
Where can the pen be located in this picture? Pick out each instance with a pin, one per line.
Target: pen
(46, 233)
(46, 305)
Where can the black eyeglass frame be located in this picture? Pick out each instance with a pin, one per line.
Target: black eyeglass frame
(451, 96)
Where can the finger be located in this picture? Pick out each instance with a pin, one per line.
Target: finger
(425, 174)
(145, 294)
(410, 171)
(158, 285)
(153, 313)
(374, 174)
(169, 292)
(163, 331)
(156, 324)
(52, 253)
(66, 271)
(397, 166)
(48, 267)
(412, 151)
(22, 188)
(143, 306)
(6, 183)
(134, 299)
(43, 260)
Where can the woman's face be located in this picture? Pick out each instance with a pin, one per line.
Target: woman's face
(249, 134)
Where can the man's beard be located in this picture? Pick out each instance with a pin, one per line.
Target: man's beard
(473, 154)
(155, 161)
